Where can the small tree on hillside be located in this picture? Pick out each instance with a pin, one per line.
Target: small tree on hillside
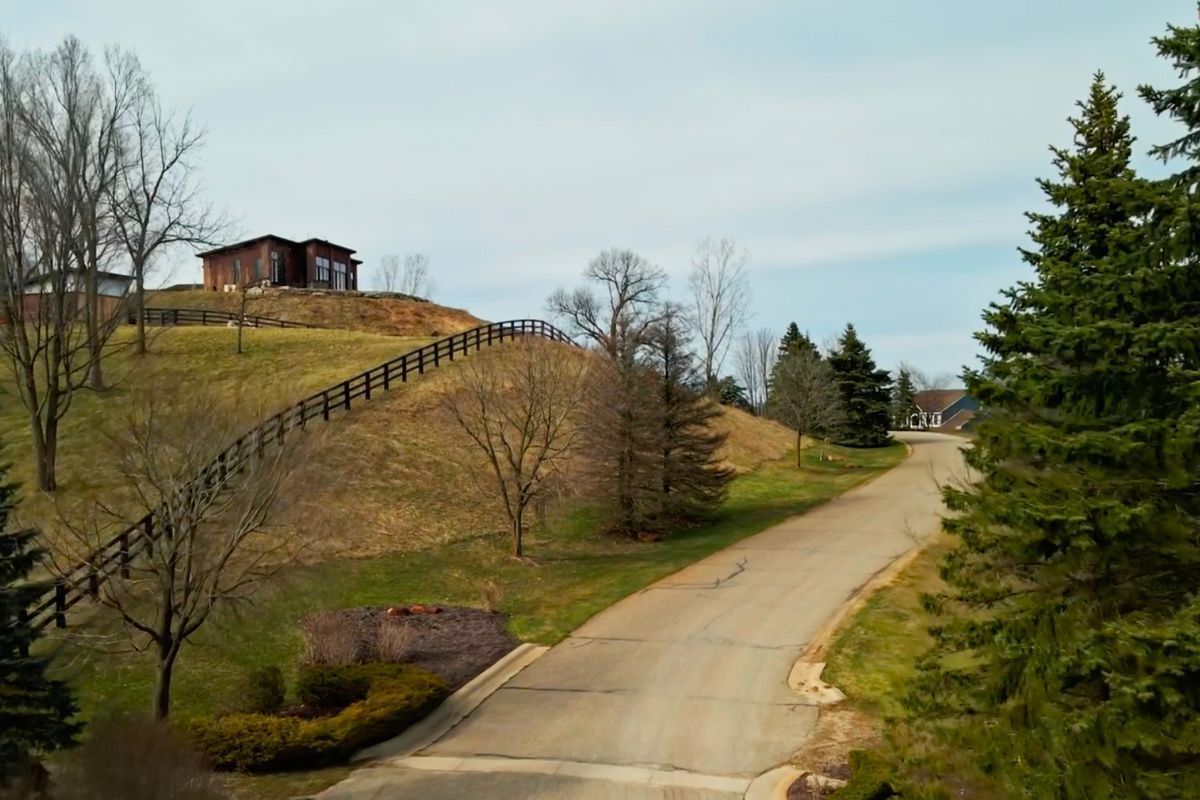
(692, 479)
(387, 273)
(805, 396)
(792, 341)
(519, 408)
(756, 357)
(415, 280)
(733, 394)
(215, 545)
(36, 710)
(904, 399)
(866, 392)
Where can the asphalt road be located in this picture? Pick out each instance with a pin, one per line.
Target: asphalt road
(680, 691)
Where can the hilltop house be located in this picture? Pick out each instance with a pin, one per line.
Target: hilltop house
(275, 261)
(943, 410)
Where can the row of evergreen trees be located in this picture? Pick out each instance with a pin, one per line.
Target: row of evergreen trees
(843, 396)
(1068, 664)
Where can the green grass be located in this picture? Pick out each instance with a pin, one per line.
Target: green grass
(872, 659)
(572, 573)
(277, 367)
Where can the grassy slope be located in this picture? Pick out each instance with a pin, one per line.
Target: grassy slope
(277, 367)
(387, 315)
(574, 573)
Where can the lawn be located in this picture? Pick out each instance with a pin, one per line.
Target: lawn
(572, 573)
(277, 367)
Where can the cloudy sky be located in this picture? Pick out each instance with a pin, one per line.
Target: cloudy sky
(874, 156)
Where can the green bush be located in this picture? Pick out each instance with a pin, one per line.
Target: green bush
(263, 691)
(329, 687)
(398, 695)
(869, 773)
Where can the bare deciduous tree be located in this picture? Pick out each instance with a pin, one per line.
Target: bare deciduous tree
(215, 541)
(805, 396)
(518, 407)
(155, 200)
(924, 381)
(45, 338)
(620, 319)
(720, 300)
(387, 274)
(756, 354)
(415, 280)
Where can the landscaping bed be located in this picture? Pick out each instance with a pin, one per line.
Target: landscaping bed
(455, 643)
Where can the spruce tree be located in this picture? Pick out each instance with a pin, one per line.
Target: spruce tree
(793, 341)
(35, 710)
(1069, 666)
(904, 399)
(866, 392)
(693, 479)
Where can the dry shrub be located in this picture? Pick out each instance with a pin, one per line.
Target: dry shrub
(330, 637)
(135, 759)
(491, 594)
(395, 641)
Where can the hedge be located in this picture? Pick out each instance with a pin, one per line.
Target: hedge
(398, 696)
(326, 687)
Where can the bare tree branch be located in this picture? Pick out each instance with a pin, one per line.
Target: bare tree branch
(720, 300)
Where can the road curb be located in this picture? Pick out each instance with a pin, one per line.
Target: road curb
(455, 708)
(772, 785)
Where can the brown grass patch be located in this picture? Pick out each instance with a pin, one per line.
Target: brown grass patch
(753, 440)
(393, 316)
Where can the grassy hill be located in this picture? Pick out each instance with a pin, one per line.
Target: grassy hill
(394, 316)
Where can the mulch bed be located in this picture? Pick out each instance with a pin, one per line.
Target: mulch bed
(454, 643)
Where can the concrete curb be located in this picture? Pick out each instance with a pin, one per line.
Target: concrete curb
(455, 708)
(772, 785)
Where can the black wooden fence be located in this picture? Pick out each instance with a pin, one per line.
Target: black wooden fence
(114, 557)
(202, 316)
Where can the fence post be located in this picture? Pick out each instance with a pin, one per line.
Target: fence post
(148, 534)
(367, 389)
(404, 369)
(387, 376)
(436, 360)
(478, 339)
(60, 604)
(301, 407)
(489, 330)
(421, 361)
(346, 394)
(175, 316)
(222, 471)
(94, 584)
(325, 405)
(123, 543)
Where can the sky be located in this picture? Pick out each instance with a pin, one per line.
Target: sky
(874, 157)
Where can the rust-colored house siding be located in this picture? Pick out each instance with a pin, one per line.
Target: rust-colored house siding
(280, 262)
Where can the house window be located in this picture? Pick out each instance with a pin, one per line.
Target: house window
(322, 269)
(257, 269)
(237, 270)
(277, 276)
(339, 276)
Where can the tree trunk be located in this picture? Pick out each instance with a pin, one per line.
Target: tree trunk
(518, 533)
(140, 302)
(799, 448)
(95, 372)
(162, 681)
(43, 453)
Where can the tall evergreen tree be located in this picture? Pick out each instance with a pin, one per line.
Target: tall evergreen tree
(1070, 668)
(904, 399)
(793, 341)
(866, 392)
(35, 711)
(693, 479)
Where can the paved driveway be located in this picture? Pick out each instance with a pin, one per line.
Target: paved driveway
(680, 691)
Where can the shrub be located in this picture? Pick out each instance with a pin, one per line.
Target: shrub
(331, 637)
(323, 687)
(135, 759)
(398, 696)
(869, 774)
(394, 642)
(263, 691)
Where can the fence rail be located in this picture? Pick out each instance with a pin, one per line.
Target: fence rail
(115, 556)
(203, 316)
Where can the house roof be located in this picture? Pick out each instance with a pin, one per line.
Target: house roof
(934, 400)
(284, 239)
(42, 276)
